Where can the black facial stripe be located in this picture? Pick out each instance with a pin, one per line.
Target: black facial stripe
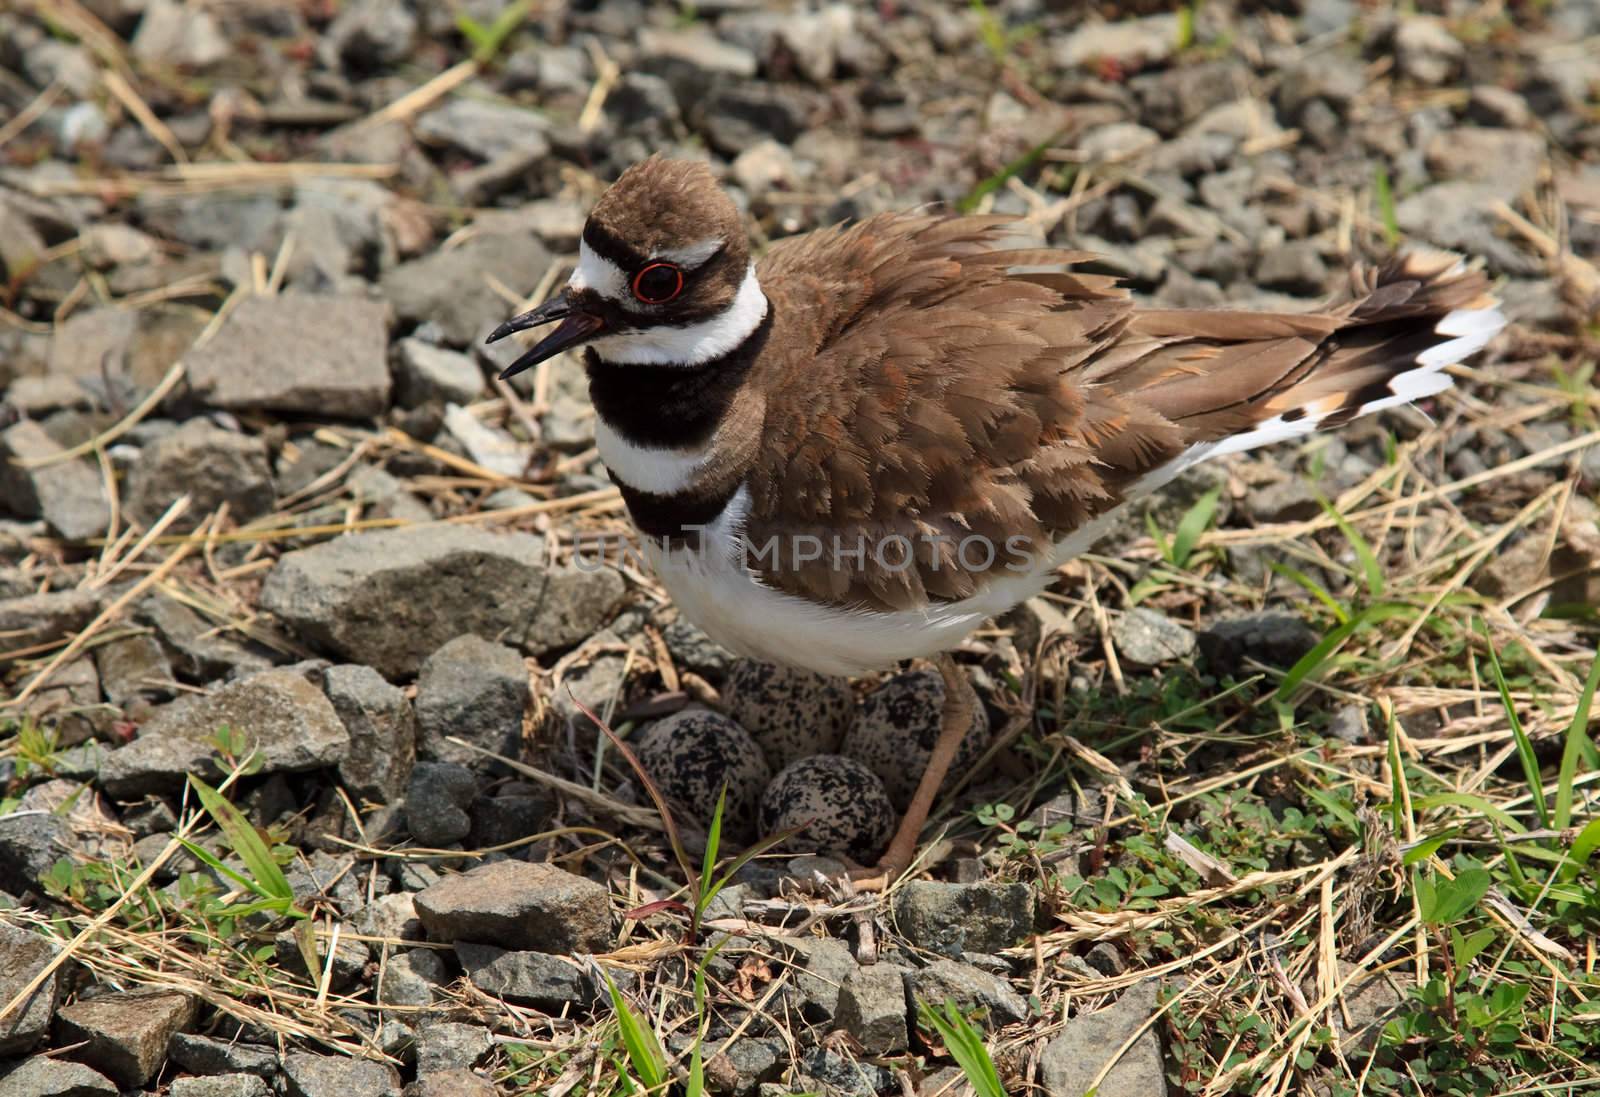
(670, 516)
(667, 406)
(609, 246)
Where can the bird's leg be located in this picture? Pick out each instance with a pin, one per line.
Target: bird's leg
(954, 721)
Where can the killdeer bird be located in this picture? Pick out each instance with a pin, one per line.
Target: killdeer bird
(857, 449)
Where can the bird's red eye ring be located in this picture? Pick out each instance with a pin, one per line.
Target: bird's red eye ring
(658, 283)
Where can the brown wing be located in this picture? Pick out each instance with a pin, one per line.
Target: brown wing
(954, 392)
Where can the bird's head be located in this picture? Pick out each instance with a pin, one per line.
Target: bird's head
(663, 278)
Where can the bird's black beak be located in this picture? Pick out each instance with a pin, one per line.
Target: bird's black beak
(576, 327)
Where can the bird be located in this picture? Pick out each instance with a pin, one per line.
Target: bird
(857, 448)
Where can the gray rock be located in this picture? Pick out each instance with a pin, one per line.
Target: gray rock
(134, 667)
(736, 116)
(437, 800)
(546, 982)
(1510, 160)
(472, 689)
(1149, 639)
(382, 729)
(277, 713)
(424, 372)
(408, 978)
(1074, 1057)
(508, 817)
(211, 465)
(393, 917)
(1171, 98)
(1366, 1006)
(1425, 50)
(642, 102)
(174, 33)
(300, 354)
(484, 129)
(43, 1076)
(954, 919)
(200, 650)
(520, 906)
(1288, 500)
(841, 1075)
(451, 288)
(389, 599)
(1131, 40)
(1349, 724)
(371, 33)
(1275, 639)
(125, 1034)
(29, 844)
(693, 650)
(1115, 142)
(969, 988)
(349, 958)
(323, 879)
(213, 220)
(872, 1008)
(309, 1075)
(823, 967)
(1491, 105)
(1294, 267)
(68, 495)
(43, 618)
(209, 1055)
(22, 956)
(449, 1045)
(698, 48)
(451, 1083)
(220, 1085)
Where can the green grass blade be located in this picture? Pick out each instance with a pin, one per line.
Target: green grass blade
(1330, 643)
(1385, 194)
(1371, 570)
(1525, 754)
(1583, 847)
(988, 186)
(966, 1048)
(1577, 740)
(1311, 587)
(268, 879)
(649, 1062)
(1192, 525)
(713, 841)
(1472, 803)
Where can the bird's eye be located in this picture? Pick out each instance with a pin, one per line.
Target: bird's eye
(658, 283)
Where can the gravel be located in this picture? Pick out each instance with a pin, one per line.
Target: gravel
(518, 905)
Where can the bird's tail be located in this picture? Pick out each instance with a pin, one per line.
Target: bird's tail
(1233, 381)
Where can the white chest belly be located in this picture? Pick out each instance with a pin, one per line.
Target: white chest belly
(717, 593)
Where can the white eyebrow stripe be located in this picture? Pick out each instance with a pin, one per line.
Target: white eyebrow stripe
(694, 254)
(600, 274)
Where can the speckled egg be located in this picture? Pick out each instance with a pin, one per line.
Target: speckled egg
(792, 713)
(840, 803)
(691, 754)
(898, 725)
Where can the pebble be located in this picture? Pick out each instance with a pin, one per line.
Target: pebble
(436, 802)
(1425, 50)
(125, 1034)
(276, 714)
(69, 495)
(444, 286)
(307, 1074)
(298, 354)
(519, 905)
(1074, 1058)
(212, 466)
(1149, 639)
(22, 956)
(382, 727)
(425, 373)
(391, 598)
(954, 919)
(45, 1076)
(1274, 639)
(471, 689)
(549, 983)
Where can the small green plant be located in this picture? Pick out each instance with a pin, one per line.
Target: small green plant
(487, 41)
(1385, 198)
(965, 1043)
(1578, 386)
(1186, 25)
(1177, 550)
(986, 187)
(263, 877)
(34, 747)
(647, 1060)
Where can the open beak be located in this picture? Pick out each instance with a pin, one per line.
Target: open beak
(576, 327)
